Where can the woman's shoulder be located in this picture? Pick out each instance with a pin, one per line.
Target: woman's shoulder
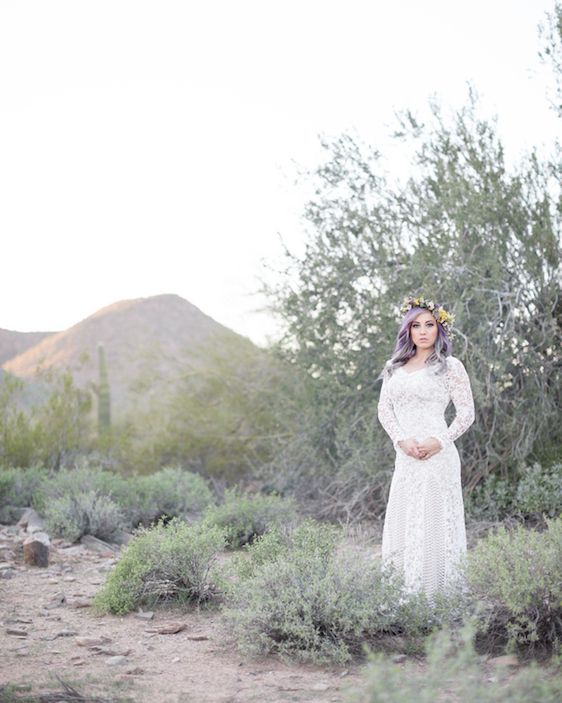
(453, 360)
(387, 370)
(455, 364)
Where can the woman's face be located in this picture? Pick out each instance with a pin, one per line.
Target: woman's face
(424, 330)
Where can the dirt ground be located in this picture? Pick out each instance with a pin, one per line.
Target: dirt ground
(44, 616)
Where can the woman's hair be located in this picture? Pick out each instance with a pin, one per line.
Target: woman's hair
(405, 349)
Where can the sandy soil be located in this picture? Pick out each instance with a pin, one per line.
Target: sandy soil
(197, 664)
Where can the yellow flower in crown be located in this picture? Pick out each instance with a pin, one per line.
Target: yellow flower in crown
(445, 318)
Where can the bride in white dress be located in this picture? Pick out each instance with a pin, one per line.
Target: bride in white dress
(424, 529)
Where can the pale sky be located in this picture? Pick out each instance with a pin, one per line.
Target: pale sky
(148, 147)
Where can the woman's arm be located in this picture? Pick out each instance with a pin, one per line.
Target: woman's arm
(460, 391)
(386, 415)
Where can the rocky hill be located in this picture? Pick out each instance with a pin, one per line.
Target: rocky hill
(149, 342)
(13, 343)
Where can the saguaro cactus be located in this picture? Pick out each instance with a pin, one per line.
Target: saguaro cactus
(104, 399)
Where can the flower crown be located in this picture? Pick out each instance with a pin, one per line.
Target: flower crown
(438, 311)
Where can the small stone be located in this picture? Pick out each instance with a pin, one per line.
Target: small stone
(69, 579)
(92, 641)
(136, 671)
(144, 615)
(320, 687)
(15, 632)
(175, 660)
(399, 658)
(80, 603)
(111, 651)
(170, 629)
(31, 521)
(505, 660)
(121, 537)
(117, 660)
(56, 601)
(94, 544)
(7, 573)
(36, 549)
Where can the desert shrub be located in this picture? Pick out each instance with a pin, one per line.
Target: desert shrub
(296, 596)
(246, 516)
(83, 513)
(539, 491)
(516, 578)
(80, 501)
(78, 480)
(6, 482)
(170, 492)
(491, 500)
(536, 492)
(454, 673)
(18, 486)
(173, 561)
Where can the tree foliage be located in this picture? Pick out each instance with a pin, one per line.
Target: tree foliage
(55, 431)
(464, 229)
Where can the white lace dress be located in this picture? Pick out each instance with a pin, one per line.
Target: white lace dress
(424, 528)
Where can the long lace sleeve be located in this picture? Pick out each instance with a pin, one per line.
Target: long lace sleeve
(460, 391)
(386, 414)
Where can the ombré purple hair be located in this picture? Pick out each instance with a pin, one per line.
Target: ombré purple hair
(405, 348)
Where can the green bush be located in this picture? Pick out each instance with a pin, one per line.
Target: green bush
(170, 492)
(516, 578)
(79, 480)
(295, 596)
(492, 499)
(246, 516)
(18, 486)
(540, 491)
(537, 492)
(81, 501)
(454, 673)
(161, 563)
(278, 543)
(83, 513)
(7, 478)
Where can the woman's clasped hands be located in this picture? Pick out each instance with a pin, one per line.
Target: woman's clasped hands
(420, 450)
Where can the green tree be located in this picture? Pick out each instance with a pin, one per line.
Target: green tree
(63, 421)
(218, 417)
(551, 53)
(18, 439)
(466, 231)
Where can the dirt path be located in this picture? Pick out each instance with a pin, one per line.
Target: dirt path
(196, 665)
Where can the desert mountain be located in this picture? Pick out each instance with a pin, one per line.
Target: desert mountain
(148, 343)
(13, 343)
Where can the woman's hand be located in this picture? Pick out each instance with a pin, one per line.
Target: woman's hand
(428, 447)
(410, 447)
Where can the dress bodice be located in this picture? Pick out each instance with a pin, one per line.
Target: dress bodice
(413, 403)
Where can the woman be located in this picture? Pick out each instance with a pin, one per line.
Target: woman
(424, 530)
